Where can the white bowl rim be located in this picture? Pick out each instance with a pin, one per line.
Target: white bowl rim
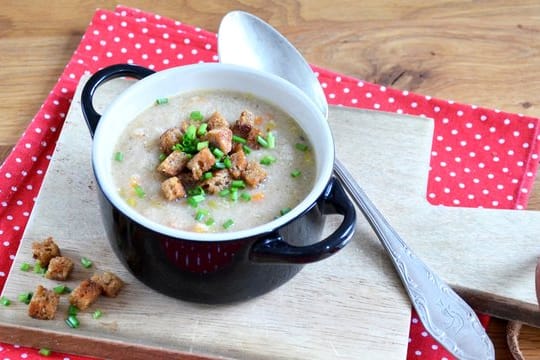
(99, 157)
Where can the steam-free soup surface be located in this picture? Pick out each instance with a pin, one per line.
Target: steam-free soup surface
(288, 165)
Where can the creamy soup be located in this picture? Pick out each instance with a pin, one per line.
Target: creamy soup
(213, 161)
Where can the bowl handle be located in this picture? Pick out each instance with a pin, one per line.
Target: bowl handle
(333, 201)
(108, 73)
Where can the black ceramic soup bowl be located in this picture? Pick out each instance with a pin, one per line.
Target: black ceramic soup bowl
(220, 267)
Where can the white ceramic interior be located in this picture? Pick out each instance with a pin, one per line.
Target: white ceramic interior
(174, 81)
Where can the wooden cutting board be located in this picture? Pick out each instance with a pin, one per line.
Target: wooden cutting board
(350, 305)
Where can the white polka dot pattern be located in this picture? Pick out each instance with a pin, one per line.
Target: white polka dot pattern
(479, 158)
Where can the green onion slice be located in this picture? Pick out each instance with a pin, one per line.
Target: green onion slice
(202, 129)
(268, 160)
(25, 297)
(196, 115)
(25, 266)
(85, 262)
(239, 139)
(262, 141)
(245, 196)
(5, 301)
(207, 175)
(224, 192)
(301, 147)
(97, 314)
(210, 221)
(139, 191)
(227, 224)
(218, 153)
(271, 140)
(201, 145)
(72, 321)
(246, 149)
(119, 156)
(296, 173)
(73, 310)
(284, 211)
(162, 101)
(38, 269)
(238, 184)
(44, 352)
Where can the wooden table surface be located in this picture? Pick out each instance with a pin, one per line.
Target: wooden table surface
(485, 53)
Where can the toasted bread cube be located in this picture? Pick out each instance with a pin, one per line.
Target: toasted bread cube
(44, 304)
(173, 164)
(45, 250)
(217, 120)
(85, 294)
(239, 163)
(244, 124)
(201, 162)
(220, 138)
(220, 180)
(59, 268)
(109, 282)
(173, 189)
(254, 174)
(170, 138)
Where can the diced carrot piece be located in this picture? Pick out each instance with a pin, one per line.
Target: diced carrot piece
(257, 196)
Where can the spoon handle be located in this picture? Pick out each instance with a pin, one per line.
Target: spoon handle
(444, 314)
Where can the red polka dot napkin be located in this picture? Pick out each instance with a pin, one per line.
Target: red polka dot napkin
(480, 157)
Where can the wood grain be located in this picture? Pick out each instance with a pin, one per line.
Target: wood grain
(478, 52)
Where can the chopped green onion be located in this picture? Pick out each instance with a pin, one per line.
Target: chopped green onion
(200, 214)
(97, 314)
(246, 149)
(25, 266)
(162, 157)
(85, 262)
(5, 301)
(61, 289)
(271, 140)
(73, 310)
(195, 200)
(262, 141)
(284, 211)
(268, 160)
(224, 192)
(238, 184)
(234, 194)
(296, 173)
(191, 132)
(25, 297)
(239, 139)
(198, 190)
(219, 165)
(301, 147)
(227, 224)
(139, 191)
(119, 156)
(245, 196)
(218, 153)
(196, 115)
(44, 352)
(72, 322)
(162, 101)
(207, 175)
(38, 269)
(210, 222)
(201, 145)
(227, 162)
(202, 129)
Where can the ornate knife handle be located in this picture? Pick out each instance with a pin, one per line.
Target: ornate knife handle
(446, 316)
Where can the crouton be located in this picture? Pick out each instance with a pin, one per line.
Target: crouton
(85, 294)
(173, 164)
(220, 180)
(201, 162)
(173, 189)
(217, 120)
(244, 124)
(254, 174)
(44, 304)
(110, 283)
(169, 138)
(59, 268)
(220, 138)
(45, 250)
(187, 180)
(239, 163)
(251, 138)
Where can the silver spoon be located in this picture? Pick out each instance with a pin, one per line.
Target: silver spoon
(244, 39)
